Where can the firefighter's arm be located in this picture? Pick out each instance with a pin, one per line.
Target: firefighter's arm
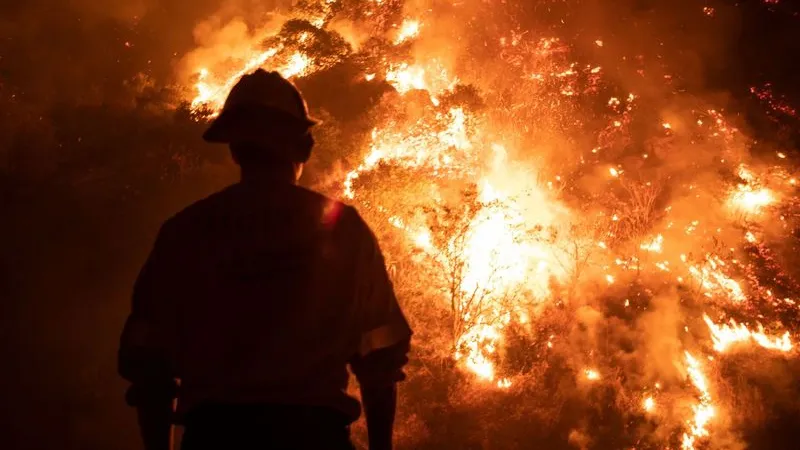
(154, 410)
(383, 346)
(378, 374)
(144, 356)
(379, 408)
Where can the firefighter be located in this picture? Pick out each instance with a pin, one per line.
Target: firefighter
(255, 300)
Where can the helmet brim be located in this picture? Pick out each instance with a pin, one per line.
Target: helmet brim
(254, 124)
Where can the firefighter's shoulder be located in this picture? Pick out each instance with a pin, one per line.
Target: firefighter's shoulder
(183, 221)
(209, 205)
(334, 214)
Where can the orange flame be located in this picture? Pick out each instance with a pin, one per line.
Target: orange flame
(726, 335)
(703, 410)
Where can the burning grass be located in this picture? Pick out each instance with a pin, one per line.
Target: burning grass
(560, 244)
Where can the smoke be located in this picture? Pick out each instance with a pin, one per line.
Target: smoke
(234, 40)
(351, 31)
(125, 11)
(660, 329)
(579, 440)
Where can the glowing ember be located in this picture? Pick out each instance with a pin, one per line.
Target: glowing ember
(655, 246)
(649, 404)
(775, 103)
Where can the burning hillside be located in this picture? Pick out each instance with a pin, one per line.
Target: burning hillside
(542, 219)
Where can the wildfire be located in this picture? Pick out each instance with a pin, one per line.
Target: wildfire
(649, 404)
(497, 255)
(440, 144)
(409, 29)
(726, 335)
(471, 167)
(703, 410)
(713, 279)
(479, 343)
(749, 197)
(298, 64)
(655, 246)
(591, 374)
(405, 78)
(211, 92)
(751, 200)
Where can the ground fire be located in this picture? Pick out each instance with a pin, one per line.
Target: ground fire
(535, 214)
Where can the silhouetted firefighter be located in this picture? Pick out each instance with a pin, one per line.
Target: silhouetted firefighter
(258, 297)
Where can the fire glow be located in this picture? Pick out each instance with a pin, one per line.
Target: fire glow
(512, 243)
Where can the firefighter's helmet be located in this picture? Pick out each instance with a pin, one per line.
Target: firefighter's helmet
(260, 105)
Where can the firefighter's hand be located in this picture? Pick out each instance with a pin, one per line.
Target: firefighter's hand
(379, 409)
(154, 410)
(155, 426)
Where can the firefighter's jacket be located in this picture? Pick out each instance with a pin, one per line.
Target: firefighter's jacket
(264, 293)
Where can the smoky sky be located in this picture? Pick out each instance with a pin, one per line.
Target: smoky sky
(83, 51)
